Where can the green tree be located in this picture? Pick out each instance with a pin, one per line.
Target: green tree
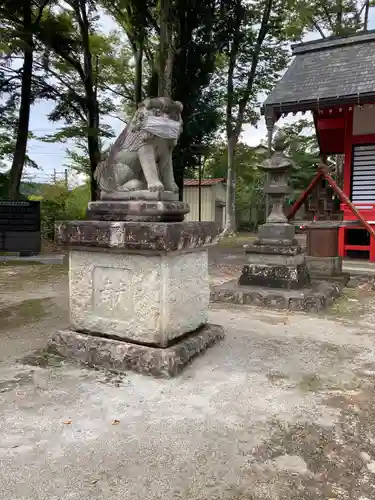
(190, 48)
(333, 17)
(135, 17)
(8, 135)
(19, 21)
(250, 198)
(255, 40)
(72, 49)
(304, 150)
(193, 81)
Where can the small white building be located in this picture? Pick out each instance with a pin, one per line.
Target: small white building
(212, 198)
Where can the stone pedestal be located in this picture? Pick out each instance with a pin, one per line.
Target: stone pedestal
(277, 277)
(278, 266)
(139, 291)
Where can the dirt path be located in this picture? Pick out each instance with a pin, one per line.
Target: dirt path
(282, 409)
(33, 302)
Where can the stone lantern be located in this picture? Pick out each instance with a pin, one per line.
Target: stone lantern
(275, 274)
(276, 259)
(277, 229)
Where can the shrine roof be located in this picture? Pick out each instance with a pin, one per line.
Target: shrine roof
(326, 72)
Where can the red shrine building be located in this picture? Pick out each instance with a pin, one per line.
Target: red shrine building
(334, 78)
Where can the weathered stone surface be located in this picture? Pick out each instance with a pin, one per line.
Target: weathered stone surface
(271, 249)
(249, 296)
(150, 299)
(275, 301)
(327, 224)
(142, 194)
(138, 210)
(275, 276)
(324, 266)
(119, 356)
(275, 266)
(282, 233)
(310, 299)
(275, 259)
(137, 236)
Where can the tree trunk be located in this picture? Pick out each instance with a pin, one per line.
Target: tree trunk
(92, 102)
(138, 73)
(230, 227)
(168, 70)
(367, 10)
(24, 111)
(165, 51)
(94, 155)
(93, 138)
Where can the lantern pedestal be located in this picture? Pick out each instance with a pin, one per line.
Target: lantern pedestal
(275, 266)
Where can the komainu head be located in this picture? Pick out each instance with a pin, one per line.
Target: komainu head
(160, 117)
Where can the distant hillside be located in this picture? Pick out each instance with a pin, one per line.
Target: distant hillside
(26, 189)
(32, 188)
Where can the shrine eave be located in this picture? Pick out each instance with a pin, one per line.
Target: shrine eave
(329, 72)
(275, 110)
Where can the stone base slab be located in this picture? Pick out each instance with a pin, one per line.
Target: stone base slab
(312, 299)
(119, 356)
(138, 210)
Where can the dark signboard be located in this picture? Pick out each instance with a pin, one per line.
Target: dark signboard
(20, 227)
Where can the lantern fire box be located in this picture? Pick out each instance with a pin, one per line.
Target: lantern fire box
(334, 78)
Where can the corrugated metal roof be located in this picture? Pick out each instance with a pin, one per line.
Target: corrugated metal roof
(329, 71)
(204, 182)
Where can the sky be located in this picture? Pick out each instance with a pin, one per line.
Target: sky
(52, 158)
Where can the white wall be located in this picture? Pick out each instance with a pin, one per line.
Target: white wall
(191, 196)
(364, 120)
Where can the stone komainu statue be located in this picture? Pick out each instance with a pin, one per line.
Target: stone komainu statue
(141, 157)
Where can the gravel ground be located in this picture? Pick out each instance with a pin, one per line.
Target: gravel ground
(282, 409)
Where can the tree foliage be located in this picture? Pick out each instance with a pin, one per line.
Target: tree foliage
(254, 40)
(304, 151)
(20, 19)
(250, 199)
(333, 17)
(218, 57)
(193, 48)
